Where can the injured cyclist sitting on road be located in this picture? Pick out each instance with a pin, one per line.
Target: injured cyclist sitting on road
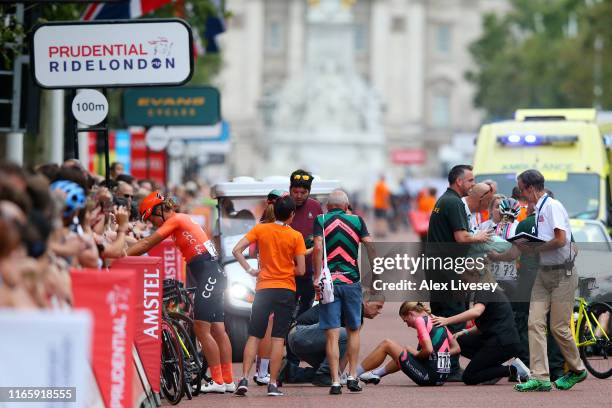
(428, 364)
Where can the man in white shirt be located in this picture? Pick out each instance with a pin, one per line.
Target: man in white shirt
(553, 290)
(477, 200)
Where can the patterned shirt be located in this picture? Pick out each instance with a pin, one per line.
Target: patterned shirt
(343, 233)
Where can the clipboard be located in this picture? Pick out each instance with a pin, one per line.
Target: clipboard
(524, 237)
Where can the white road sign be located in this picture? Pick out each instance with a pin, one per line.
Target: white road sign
(90, 107)
(112, 53)
(157, 139)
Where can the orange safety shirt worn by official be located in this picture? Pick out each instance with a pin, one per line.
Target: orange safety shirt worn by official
(187, 235)
(426, 203)
(381, 196)
(522, 213)
(278, 246)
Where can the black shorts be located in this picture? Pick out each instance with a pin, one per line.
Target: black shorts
(380, 213)
(281, 302)
(206, 274)
(419, 371)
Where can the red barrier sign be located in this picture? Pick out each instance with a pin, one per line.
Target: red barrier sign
(172, 260)
(110, 299)
(148, 301)
(408, 156)
(419, 221)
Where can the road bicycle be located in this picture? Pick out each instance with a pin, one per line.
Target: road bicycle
(177, 312)
(591, 327)
(172, 370)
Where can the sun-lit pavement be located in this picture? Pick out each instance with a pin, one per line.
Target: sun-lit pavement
(398, 391)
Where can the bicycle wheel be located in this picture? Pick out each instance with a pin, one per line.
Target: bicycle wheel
(192, 363)
(172, 375)
(597, 354)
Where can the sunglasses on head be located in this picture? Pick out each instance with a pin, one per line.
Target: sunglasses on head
(488, 192)
(304, 177)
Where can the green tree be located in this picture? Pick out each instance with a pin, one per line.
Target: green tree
(543, 54)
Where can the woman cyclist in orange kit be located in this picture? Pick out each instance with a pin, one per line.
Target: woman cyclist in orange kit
(203, 269)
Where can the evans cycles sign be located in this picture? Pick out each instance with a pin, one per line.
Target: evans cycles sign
(112, 53)
(185, 106)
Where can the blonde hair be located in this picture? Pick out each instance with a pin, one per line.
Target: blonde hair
(169, 204)
(496, 197)
(268, 215)
(418, 307)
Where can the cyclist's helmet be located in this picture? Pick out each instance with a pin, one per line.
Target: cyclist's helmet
(510, 207)
(74, 195)
(149, 203)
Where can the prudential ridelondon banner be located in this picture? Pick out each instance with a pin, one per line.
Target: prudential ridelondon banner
(112, 53)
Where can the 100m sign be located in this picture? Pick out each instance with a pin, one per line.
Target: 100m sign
(90, 107)
(85, 107)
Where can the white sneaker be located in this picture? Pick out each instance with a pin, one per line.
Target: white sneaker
(231, 387)
(265, 380)
(521, 369)
(343, 378)
(213, 387)
(369, 378)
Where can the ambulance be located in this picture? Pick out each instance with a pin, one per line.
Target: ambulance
(566, 145)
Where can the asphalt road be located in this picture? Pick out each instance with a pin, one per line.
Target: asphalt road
(397, 390)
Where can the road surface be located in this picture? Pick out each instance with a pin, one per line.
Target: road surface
(397, 390)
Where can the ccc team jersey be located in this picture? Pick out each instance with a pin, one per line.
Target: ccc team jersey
(188, 236)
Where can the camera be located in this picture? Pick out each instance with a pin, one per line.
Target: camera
(120, 202)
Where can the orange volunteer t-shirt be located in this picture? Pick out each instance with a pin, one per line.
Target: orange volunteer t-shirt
(187, 235)
(278, 245)
(381, 196)
(427, 203)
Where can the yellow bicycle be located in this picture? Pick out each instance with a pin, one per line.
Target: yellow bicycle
(591, 328)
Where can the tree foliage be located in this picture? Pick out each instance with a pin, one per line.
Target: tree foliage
(544, 54)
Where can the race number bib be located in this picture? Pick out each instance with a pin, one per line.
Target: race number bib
(444, 362)
(210, 247)
(504, 271)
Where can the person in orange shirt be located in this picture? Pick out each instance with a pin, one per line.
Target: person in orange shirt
(427, 200)
(516, 194)
(382, 204)
(203, 269)
(281, 258)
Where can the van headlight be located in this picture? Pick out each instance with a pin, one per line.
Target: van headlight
(240, 292)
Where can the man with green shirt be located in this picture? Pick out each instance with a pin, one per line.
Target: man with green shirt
(337, 236)
(448, 225)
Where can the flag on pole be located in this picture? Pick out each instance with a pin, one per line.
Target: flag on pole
(215, 25)
(121, 10)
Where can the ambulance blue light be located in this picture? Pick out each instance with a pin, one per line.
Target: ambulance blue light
(514, 139)
(531, 139)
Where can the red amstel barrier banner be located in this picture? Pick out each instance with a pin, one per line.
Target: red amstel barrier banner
(173, 264)
(148, 301)
(110, 299)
